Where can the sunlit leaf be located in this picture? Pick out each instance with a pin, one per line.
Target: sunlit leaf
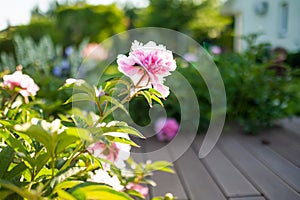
(98, 192)
(63, 195)
(79, 97)
(22, 192)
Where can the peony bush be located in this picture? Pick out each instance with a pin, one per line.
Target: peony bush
(81, 154)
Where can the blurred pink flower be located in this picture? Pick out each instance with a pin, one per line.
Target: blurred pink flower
(94, 51)
(139, 188)
(148, 65)
(117, 152)
(216, 50)
(22, 81)
(166, 129)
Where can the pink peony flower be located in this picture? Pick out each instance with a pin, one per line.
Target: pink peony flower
(117, 152)
(22, 81)
(147, 66)
(166, 129)
(139, 188)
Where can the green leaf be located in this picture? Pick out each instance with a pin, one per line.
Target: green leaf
(161, 166)
(122, 129)
(155, 92)
(41, 135)
(13, 142)
(63, 195)
(113, 101)
(6, 156)
(123, 140)
(79, 122)
(112, 84)
(63, 176)
(22, 192)
(79, 97)
(135, 193)
(63, 141)
(17, 170)
(147, 96)
(5, 193)
(41, 161)
(8, 123)
(155, 98)
(66, 185)
(80, 85)
(79, 133)
(98, 192)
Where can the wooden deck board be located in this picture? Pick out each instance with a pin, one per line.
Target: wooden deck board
(278, 164)
(230, 179)
(166, 182)
(283, 142)
(198, 182)
(269, 184)
(248, 198)
(240, 167)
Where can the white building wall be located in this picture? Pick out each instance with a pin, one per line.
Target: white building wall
(248, 21)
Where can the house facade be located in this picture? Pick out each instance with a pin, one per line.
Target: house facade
(277, 20)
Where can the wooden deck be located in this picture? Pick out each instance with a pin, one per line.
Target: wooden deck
(240, 167)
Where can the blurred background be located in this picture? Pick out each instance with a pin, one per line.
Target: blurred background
(255, 44)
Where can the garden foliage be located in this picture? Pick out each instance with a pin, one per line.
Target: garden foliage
(72, 153)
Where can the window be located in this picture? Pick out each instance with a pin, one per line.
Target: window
(283, 21)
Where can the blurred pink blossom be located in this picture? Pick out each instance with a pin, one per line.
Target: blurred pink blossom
(148, 65)
(117, 152)
(166, 129)
(216, 50)
(94, 51)
(22, 81)
(139, 188)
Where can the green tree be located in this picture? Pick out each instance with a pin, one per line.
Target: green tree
(201, 20)
(95, 22)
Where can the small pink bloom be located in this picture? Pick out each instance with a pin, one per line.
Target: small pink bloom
(23, 81)
(117, 152)
(148, 65)
(216, 50)
(166, 129)
(95, 51)
(139, 188)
